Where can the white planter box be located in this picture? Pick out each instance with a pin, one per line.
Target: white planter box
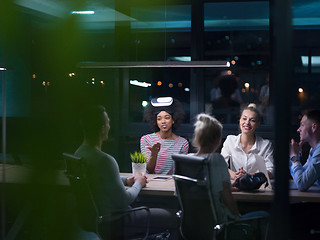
(139, 168)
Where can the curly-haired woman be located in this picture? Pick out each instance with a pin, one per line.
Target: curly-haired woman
(160, 145)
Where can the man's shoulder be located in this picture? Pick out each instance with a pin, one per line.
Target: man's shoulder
(316, 153)
(92, 155)
(317, 147)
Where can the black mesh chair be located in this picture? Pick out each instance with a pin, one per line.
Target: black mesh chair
(198, 215)
(88, 215)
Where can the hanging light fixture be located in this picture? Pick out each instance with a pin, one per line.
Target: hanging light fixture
(156, 64)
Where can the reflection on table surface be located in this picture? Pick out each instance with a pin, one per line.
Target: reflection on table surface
(16, 174)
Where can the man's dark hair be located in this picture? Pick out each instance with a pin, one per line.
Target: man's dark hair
(91, 120)
(313, 115)
(175, 110)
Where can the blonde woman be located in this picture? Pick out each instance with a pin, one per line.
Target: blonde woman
(207, 138)
(247, 152)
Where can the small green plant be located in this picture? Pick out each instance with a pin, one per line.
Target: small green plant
(138, 157)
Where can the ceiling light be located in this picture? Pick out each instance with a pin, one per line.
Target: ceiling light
(140, 84)
(181, 58)
(86, 12)
(144, 103)
(315, 61)
(305, 61)
(155, 64)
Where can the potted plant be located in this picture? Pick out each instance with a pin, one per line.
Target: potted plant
(139, 164)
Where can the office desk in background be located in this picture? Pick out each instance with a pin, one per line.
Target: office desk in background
(19, 175)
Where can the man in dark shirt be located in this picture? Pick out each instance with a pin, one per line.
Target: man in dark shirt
(107, 186)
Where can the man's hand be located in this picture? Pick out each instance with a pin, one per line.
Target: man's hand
(294, 148)
(130, 181)
(141, 178)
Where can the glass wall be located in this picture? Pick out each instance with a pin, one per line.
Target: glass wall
(43, 47)
(58, 60)
(239, 33)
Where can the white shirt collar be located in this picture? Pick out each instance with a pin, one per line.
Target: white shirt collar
(238, 143)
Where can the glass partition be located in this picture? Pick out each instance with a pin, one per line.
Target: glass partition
(237, 32)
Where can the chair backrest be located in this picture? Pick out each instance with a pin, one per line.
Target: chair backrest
(193, 190)
(85, 207)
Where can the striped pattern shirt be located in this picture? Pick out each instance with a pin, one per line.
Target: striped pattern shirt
(164, 163)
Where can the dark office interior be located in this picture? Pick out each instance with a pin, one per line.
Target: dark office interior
(54, 61)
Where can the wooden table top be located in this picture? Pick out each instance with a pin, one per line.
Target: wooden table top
(157, 187)
(15, 174)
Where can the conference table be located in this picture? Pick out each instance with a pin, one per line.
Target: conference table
(158, 191)
(17, 174)
(167, 188)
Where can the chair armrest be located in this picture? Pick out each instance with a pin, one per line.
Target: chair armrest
(120, 213)
(185, 178)
(130, 210)
(239, 220)
(242, 222)
(116, 215)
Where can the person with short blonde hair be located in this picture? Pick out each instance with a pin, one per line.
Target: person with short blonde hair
(207, 133)
(207, 138)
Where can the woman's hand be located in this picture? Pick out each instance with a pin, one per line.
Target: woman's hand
(237, 175)
(233, 186)
(235, 189)
(155, 148)
(153, 157)
(240, 173)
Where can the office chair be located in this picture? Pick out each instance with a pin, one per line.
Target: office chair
(88, 214)
(198, 215)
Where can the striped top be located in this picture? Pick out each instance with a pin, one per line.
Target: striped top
(164, 163)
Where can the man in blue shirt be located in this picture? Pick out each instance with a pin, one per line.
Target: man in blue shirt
(308, 174)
